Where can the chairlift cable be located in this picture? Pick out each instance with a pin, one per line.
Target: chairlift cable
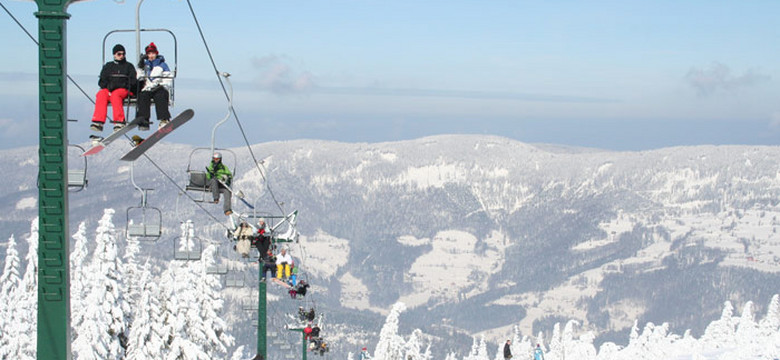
(232, 109)
(38, 44)
(126, 136)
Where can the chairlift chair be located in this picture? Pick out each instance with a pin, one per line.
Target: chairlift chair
(143, 221)
(130, 100)
(250, 303)
(220, 263)
(149, 226)
(235, 279)
(291, 234)
(77, 177)
(196, 172)
(187, 247)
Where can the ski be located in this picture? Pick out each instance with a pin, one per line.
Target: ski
(144, 145)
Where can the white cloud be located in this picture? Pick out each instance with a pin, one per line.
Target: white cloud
(278, 76)
(717, 77)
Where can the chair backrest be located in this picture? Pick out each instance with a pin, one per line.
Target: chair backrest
(197, 180)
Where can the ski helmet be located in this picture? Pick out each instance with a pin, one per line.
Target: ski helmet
(218, 155)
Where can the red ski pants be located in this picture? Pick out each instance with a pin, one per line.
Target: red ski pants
(116, 98)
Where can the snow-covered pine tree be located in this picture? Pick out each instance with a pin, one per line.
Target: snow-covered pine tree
(413, 347)
(556, 345)
(474, 350)
(194, 302)
(26, 314)
(747, 328)
(132, 275)
(149, 331)
(238, 354)
(608, 351)
(102, 332)
(78, 279)
(721, 333)
(769, 326)
(482, 353)
(215, 337)
(9, 290)
(391, 345)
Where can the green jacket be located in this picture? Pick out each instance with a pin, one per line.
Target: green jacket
(221, 171)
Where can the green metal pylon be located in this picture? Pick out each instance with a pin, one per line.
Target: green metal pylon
(261, 314)
(53, 250)
(303, 342)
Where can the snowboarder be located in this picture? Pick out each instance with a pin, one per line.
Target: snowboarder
(218, 175)
(507, 350)
(538, 353)
(299, 289)
(117, 81)
(157, 79)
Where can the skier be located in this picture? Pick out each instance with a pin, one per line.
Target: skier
(157, 77)
(507, 350)
(283, 262)
(218, 175)
(117, 80)
(269, 264)
(244, 234)
(538, 353)
(261, 241)
(364, 354)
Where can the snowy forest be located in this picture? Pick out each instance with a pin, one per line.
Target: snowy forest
(122, 309)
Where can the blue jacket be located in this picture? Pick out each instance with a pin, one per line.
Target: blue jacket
(151, 64)
(538, 354)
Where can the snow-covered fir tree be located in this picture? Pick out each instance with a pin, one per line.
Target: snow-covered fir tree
(721, 332)
(78, 279)
(101, 334)
(25, 315)
(391, 345)
(192, 307)
(9, 290)
(148, 333)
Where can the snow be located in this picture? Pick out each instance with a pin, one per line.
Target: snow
(444, 272)
(27, 203)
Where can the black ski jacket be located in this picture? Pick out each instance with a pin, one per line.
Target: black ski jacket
(118, 75)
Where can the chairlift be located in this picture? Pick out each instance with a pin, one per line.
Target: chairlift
(143, 221)
(138, 51)
(77, 177)
(220, 263)
(187, 247)
(291, 234)
(235, 279)
(196, 171)
(250, 303)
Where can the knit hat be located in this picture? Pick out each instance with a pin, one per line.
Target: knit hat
(151, 48)
(118, 48)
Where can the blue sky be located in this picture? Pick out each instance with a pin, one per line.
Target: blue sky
(623, 75)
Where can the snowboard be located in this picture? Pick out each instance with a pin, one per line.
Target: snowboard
(103, 142)
(144, 145)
